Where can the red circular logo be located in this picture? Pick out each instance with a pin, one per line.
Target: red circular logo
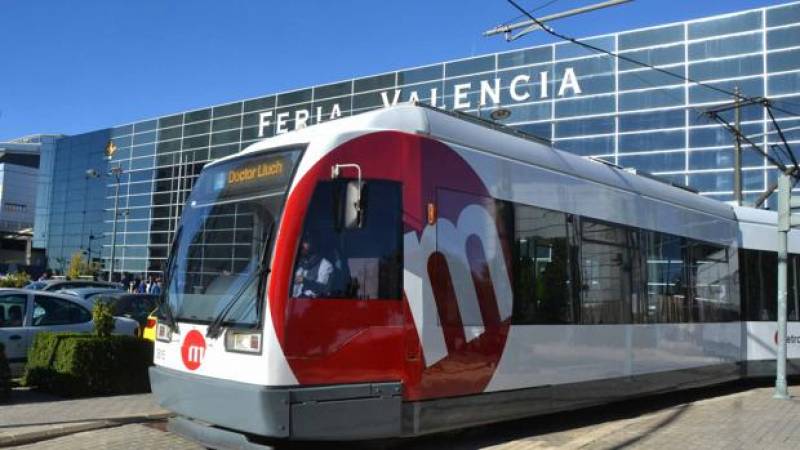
(457, 357)
(193, 350)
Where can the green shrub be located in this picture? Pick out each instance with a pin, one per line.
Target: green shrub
(5, 374)
(74, 365)
(15, 280)
(103, 317)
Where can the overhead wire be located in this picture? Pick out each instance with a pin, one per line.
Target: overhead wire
(531, 11)
(685, 78)
(736, 95)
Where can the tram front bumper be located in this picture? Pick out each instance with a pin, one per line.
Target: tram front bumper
(334, 412)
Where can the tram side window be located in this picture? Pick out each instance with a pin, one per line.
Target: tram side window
(542, 287)
(759, 281)
(792, 292)
(607, 272)
(351, 263)
(667, 290)
(710, 285)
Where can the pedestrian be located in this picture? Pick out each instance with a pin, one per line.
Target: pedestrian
(155, 286)
(48, 274)
(140, 287)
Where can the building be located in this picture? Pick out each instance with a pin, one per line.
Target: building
(20, 176)
(587, 103)
(75, 217)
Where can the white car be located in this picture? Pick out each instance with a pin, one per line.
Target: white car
(24, 313)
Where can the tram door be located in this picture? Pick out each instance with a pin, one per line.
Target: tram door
(345, 307)
(471, 277)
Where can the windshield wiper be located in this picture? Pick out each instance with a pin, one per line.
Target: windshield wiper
(162, 298)
(215, 328)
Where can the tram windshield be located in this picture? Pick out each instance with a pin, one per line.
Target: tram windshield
(222, 243)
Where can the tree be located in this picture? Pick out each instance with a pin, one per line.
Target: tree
(77, 266)
(103, 317)
(61, 261)
(15, 280)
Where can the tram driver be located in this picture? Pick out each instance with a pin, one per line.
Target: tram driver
(313, 276)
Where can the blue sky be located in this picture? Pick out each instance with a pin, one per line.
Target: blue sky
(75, 66)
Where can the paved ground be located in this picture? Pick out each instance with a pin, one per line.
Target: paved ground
(32, 408)
(31, 416)
(138, 437)
(719, 418)
(728, 417)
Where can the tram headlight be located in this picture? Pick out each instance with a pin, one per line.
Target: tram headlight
(243, 341)
(163, 332)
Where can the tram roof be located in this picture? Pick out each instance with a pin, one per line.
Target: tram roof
(497, 140)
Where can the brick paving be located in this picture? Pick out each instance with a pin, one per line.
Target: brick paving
(749, 419)
(125, 437)
(738, 416)
(28, 409)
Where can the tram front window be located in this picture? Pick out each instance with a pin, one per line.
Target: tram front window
(226, 227)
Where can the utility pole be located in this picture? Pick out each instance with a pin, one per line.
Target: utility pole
(737, 151)
(785, 222)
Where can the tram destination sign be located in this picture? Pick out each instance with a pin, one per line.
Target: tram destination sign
(479, 93)
(254, 174)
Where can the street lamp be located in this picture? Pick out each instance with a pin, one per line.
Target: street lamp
(90, 174)
(92, 237)
(116, 172)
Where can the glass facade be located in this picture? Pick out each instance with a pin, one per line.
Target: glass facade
(586, 103)
(44, 189)
(77, 199)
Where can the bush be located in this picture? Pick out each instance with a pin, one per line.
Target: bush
(15, 280)
(74, 365)
(5, 374)
(103, 317)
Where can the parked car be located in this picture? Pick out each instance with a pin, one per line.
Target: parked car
(60, 285)
(132, 306)
(88, 293)
(24, 313)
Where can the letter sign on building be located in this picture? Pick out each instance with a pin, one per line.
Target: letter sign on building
(488, 92)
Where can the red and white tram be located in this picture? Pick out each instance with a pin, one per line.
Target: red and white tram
(407, 271)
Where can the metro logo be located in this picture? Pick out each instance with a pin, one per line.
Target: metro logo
(193, 350)
(457, 284)
(790, 339)
(474, 221)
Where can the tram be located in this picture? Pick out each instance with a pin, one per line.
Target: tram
(409, 270)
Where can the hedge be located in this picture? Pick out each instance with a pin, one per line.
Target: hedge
(75, 365)
(5, 374)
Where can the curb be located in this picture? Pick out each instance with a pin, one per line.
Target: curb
(36, 433)
(41, 433)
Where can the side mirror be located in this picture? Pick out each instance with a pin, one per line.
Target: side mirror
(352, 208)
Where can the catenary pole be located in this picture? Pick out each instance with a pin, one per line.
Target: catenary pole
(737, 155)
(784, 224)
